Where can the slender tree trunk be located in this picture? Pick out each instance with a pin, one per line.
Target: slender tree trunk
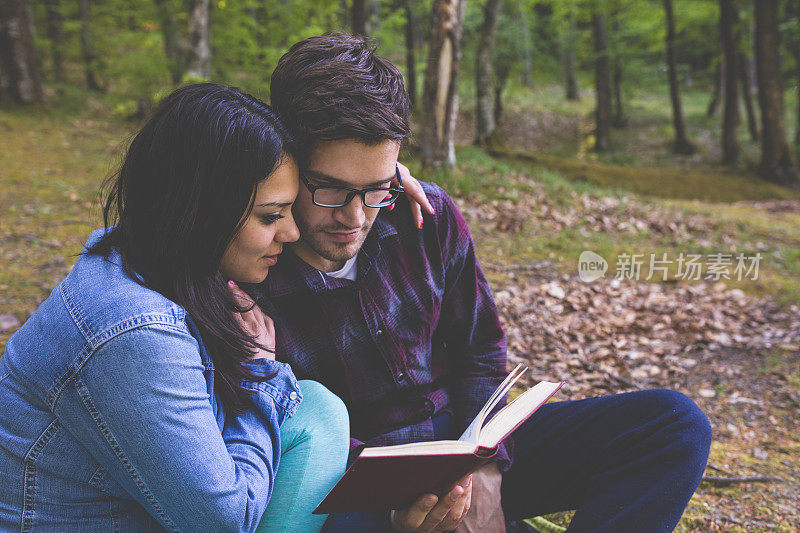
(346, 13)
(571, 81)
(374, 17)
(682, 144)
(719, 75)
(17, 53)
(483, 73)
(797, 120)
(602, 84)
(619, 120)
(360, 16)
(411, 56)
(500, 79)
(777, 162)
(198, 63)
(440, 94)
(87, 49)
(793, 10)
(747, 93)
(728, 24)
(526, 77)
(54, 24)
(172, 44)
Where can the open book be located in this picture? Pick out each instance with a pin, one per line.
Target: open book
(392, 477)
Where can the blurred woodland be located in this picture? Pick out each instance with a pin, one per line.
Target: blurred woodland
(657, 129)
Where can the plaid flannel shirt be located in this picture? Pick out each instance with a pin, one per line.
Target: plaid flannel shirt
(416, 334)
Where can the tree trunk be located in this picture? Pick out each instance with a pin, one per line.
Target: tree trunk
(172, 43)
(198, 61)
(602, 84)
(411, 56)
(747, 93)
(777, 163)
(793, 10)
(728, 25)
(484, 108)
(360, 16)
(87, 50)
(440, 94)
(17, 53)
(500, 79)
(526, 77)
(682, 144)
(54, 24)
(619, 120)
(571, 81)
(797, 120)
(719, 75)
(374, 17)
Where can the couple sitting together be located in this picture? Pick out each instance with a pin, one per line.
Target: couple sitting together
(250, 246)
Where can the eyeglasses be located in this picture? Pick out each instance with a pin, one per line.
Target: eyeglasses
(330, 196)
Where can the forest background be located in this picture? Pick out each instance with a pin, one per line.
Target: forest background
(628, 169)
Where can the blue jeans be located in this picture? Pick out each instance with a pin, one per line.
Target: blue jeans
(627, 462)
(314, 446)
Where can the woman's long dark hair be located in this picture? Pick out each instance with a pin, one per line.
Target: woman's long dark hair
(186, 184)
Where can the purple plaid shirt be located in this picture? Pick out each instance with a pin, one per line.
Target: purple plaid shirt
(415, 335)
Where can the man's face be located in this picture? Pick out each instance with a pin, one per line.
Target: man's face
(331, 236)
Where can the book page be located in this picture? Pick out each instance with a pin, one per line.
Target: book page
(512, 414)
(436, 447)
(472, 433)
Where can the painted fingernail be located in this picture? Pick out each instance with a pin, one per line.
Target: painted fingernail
(420, 224)
(232, 283)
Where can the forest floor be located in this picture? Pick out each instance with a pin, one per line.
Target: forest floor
(731, 345)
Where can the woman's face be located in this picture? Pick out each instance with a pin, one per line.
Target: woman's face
(268, 226)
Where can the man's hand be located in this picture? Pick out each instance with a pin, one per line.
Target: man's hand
(429, 515)
(486, 512)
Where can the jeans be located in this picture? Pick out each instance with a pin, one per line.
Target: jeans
(314, 447)
(627, 463)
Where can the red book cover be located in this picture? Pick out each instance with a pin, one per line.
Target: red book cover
(391, 486)
(392, 477)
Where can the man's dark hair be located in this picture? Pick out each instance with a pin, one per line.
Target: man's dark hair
(332, 87)
(185, 188)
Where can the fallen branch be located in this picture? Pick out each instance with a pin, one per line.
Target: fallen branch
(720, 470)
(535, 267)
(725, 518)
(724, 481)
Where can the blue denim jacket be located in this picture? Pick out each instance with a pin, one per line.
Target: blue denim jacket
(109, 421)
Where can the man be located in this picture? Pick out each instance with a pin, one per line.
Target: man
(399, 322)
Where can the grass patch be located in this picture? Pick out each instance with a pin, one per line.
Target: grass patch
(705, 185)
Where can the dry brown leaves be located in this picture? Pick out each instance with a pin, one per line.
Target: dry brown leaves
(609, 334)
(623, 215)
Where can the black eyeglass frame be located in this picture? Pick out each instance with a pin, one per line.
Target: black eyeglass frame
(353, 192)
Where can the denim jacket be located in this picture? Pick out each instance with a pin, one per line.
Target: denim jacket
(109, 420)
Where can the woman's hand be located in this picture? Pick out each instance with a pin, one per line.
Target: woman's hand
(414, 194)
(255, 323)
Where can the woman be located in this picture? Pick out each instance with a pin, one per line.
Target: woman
(144, 392)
